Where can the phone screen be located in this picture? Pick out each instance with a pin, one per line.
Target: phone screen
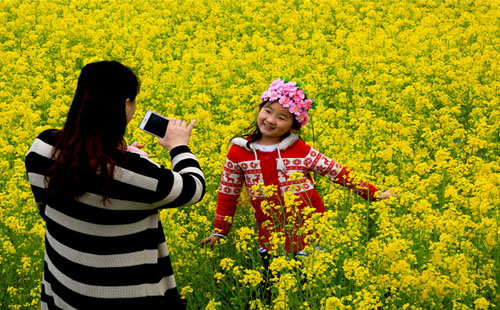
(156, 125)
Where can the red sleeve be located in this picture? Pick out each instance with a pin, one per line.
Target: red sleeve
(364, 189)
(229, 191)
(339, 174)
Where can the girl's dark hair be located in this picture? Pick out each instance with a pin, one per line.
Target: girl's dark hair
(253, 132)
(91, 140)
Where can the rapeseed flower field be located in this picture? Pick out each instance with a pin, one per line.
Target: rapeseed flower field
(408, 96)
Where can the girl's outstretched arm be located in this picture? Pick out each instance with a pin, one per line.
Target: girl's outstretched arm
(339, 174)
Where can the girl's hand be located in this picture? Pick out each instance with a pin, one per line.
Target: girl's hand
(178, 133)
(210, 240)
(386, 194)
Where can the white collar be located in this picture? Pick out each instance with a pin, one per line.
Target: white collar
(283, 145)
(266, 148)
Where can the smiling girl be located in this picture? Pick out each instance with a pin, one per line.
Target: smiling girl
(270, 154)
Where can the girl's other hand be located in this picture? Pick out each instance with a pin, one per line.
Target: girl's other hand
(178, 133)
(386, 194)
(211, 240)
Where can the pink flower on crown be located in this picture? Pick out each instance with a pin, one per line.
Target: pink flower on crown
(295, 109)
(290, 88)
(274, 96)
(308, 103)
(277, 85)
(265, 95)
(303, 118)
(286, 102)
(299, 95)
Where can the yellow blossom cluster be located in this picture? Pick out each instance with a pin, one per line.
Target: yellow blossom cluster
(408, 97)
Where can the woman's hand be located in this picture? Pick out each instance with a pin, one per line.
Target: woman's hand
(137, 148)
(386, 194)
(178, 133)
(210, 240)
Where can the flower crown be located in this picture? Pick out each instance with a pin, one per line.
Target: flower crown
(291, 96)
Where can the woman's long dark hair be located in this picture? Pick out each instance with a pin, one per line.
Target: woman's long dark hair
(92, 137)
(253, 132)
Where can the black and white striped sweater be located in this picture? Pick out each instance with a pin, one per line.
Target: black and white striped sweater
(112, 255)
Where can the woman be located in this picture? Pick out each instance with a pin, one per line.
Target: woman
(105, 246)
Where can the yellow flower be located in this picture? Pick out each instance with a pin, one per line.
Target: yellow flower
(266, 207)
(355, 271)
(251, 278)
(186, 290)
(270, 191)
(296, 176)
(246, 236)
(226, 263)
(292, 200)
(219, 276)
(258, 189)
(8, 247)
(482, 303)
(213, 305)
(279, 264)
(333, 303)
(276, 241)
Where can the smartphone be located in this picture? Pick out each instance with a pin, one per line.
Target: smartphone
(154, 124)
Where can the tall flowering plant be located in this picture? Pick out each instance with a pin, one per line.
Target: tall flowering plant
(291, 96)
(292, 217)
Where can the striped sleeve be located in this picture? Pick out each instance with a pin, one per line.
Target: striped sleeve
(185, 185)
(38, 160)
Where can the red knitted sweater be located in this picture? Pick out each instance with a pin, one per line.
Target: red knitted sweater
(250, 166)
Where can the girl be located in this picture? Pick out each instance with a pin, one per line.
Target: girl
(105, 246)
(270, 154)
